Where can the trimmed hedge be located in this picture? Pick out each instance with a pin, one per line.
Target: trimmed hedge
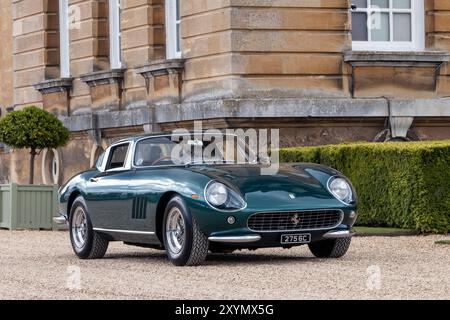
(402, 185)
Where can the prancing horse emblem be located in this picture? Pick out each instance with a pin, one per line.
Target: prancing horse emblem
(291, 195)
(296, 220)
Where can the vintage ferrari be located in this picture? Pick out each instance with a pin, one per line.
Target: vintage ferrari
(145, 192)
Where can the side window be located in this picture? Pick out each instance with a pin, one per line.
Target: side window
(99, 162)
(154, 152)
(118, 157)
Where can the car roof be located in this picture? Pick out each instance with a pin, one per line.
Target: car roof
(149, 135)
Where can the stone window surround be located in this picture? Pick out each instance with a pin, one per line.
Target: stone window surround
(172, 25)
(172, 68)
(115, 12)
(64, 39)
(98, 78)
(404, 59)
(54, 85)
(93, 79)
(395, 59)
(161, 67)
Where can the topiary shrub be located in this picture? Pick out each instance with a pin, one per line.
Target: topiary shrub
(35, 129)
(403, 185)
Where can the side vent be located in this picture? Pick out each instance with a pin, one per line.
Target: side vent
(139, 208)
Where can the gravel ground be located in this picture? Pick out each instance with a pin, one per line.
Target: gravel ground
(41, 265)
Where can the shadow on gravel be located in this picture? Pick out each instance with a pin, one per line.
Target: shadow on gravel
(137, 256)
(215, 259)
(243, 258)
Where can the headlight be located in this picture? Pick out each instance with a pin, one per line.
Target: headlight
(341, 189)
(224, 198)
(216, 194)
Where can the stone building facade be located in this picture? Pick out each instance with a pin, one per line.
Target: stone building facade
(320, 71)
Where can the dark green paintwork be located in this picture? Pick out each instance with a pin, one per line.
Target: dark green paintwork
(112, 198)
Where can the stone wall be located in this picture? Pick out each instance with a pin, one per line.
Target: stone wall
(6, 56)
(438, 38)
(143, 39)
(265, 48)
(36, 43)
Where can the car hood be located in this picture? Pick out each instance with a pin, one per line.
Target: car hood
(293, 186)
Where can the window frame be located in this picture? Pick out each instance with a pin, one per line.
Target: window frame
(115, 34)
(99, 161)
(64, 39)
(417, 42)
(173, 39)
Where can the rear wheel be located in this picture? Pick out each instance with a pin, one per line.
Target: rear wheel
(86, 243)
(185, 243)
(330, 248)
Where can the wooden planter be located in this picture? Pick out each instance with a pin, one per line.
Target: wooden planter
(28, 207)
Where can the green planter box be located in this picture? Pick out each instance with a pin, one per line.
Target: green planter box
(28, 207)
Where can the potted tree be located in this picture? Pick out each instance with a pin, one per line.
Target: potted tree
(29, 206)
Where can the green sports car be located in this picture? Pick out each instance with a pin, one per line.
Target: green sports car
(145, 192)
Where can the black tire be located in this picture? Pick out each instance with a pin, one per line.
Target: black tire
(195, 247)
(95, 245)
(330, 248)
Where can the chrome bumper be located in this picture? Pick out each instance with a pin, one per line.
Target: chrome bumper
(338, 234)
(60, 220)
(236, 239)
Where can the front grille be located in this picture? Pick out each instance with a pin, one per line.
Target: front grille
(295, 220)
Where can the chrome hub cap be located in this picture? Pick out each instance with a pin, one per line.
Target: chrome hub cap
(175, 231)
(79, 228)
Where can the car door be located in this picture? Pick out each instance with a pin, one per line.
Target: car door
(108, 198)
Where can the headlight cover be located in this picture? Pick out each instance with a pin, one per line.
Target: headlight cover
(341, 189)
(216, 194)
(223, 198)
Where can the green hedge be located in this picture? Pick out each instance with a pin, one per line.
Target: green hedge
(403, 185)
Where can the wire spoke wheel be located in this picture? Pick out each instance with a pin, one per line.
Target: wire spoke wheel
(175, 231)
(79, 228)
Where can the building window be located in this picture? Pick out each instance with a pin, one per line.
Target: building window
(115, 58)
(388, 25)
(173, 32)
(64, 45)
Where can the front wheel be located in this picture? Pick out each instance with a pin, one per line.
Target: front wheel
(185, 243)
(330, 248)
(86, 243)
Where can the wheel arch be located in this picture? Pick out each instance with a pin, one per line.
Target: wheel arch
(160, 210)
(75, 194)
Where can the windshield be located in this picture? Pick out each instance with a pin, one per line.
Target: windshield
(210, 149)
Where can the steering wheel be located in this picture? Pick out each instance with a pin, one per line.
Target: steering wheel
(161, 159)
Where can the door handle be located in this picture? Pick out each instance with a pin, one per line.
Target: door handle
(124, 195)
(93, 180)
